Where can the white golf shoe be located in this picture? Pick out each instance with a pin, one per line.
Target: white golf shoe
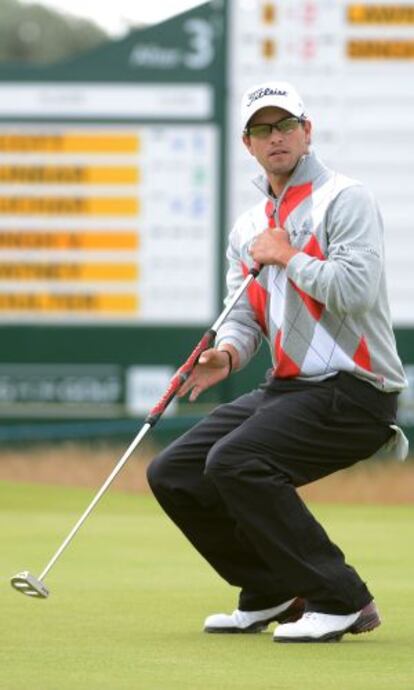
(326, 627)
(253, 621)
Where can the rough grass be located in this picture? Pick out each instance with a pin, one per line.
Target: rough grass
(88, 464)
(129, 596)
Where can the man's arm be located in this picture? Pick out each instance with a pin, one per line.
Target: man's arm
(347, 281)
(240, 335)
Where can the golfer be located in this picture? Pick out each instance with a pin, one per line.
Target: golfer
(329, 401)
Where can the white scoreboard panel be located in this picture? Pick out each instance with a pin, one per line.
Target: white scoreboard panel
(353, 64)
(104, 222)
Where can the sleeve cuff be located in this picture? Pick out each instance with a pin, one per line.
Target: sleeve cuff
(231, 340)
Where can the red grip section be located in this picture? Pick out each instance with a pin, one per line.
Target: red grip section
(173, 387)
(180, 376)
(206, 341)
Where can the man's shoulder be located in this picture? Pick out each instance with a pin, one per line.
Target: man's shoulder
(351, 199)
(338, 181)
(348, 188)
(337, 187)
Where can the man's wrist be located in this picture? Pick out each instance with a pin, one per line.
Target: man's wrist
(232, 353)
(287, 256)
(230, 361)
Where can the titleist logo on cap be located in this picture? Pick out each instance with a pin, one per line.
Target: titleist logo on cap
(259, 93)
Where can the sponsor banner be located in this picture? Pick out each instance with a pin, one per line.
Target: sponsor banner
(89, 390)
(61, 390)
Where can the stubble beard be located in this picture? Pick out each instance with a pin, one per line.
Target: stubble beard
(281, 169)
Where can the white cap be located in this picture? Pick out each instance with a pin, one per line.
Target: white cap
(279, 94)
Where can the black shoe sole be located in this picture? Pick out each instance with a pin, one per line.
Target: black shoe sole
(329, 637)
(254, 628)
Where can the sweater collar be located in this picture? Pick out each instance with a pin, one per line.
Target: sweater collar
(308, 168)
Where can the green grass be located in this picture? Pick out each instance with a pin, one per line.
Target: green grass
(129, 596)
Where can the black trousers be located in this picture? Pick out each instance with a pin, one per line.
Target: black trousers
(229, 485)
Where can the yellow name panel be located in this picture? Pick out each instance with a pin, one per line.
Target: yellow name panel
(76, 174)
(69, 143)
(357, 49)
(68, 271)
(88, 303)
(102, 206)
(68, 240)
(380, 14)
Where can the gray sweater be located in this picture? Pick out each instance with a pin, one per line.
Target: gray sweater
(328, 311)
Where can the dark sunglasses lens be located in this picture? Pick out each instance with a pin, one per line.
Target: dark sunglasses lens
(260, 131)
(288, 124)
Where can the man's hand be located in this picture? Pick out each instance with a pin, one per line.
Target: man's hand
(272, 246)
(212, 367)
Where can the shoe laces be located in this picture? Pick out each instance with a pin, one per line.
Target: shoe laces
(241, 618)
(311, 615)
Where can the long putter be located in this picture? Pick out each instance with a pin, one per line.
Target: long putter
(33, 586)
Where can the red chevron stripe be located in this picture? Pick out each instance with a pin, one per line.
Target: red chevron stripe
(315, 308)
(293, 197)
(285, 368)
(312, 248)
(362, 356)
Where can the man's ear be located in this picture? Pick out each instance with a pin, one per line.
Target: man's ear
(308, 131)
(247, 142)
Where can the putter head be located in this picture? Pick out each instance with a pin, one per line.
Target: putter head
(28, 584)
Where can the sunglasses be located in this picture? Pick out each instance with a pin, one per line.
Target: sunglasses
(285, 126)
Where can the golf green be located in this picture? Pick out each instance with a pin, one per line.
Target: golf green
(129, 596)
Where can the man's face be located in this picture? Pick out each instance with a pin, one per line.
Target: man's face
(279, 152)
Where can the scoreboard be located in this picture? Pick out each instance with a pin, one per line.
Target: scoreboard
(353, 64)
(108, 222)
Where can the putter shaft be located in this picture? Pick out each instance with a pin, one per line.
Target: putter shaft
(26, 583)
(105, 486)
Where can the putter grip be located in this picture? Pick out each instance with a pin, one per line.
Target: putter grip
(180, 377)
(255, 270)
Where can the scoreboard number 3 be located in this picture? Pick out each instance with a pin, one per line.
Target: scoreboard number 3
(201, 42)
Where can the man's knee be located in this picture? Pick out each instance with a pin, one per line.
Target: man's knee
(175, 469)
(159, 471)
